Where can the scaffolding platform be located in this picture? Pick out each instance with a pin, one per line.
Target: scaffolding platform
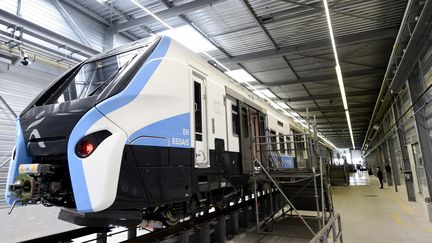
(305, 190)
(299, 186)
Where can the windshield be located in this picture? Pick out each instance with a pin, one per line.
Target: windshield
(92, 77)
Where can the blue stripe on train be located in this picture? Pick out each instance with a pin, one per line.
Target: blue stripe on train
(79, 185)
(138, 81)
(170, 132)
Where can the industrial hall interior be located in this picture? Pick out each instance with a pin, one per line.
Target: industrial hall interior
(213, 121)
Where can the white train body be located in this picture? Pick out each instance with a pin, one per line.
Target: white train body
(167, 128)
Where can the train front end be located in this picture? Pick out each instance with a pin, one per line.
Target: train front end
(67, 151)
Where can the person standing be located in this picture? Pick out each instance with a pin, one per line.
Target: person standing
(380, 177)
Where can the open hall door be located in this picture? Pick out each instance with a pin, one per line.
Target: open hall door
(252, 124)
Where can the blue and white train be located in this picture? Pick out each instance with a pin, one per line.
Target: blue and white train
(144, 131)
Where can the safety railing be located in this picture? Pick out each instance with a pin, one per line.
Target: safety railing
(4, 163)
(335, 226)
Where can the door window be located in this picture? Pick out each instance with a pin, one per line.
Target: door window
(198, 112)
(244, 121)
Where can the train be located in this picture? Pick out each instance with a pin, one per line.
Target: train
(145, 131)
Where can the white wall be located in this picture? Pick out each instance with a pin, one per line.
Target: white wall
(342, 153)
(356, 157)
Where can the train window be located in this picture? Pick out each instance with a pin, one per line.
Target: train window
(282, 142)
(92, 77)
(244, 120)
(273, 140)
(198, 112)
(235, 120)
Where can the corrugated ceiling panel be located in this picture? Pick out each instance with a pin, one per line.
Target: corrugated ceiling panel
(93, 31)
(222, 19)
(41, 13)
(45, 14)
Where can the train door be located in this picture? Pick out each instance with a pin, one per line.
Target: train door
(258, 133)
(201, 146)
(252, 124)
(245, 139)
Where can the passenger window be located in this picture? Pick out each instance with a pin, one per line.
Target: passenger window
(235, 120)
(273, 140)
(198, 112)
(245, 124)
(282, 143)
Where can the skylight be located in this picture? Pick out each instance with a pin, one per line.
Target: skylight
(240, 75)
(259, 93)
(268, 93)
(199, 43)
(283, 105)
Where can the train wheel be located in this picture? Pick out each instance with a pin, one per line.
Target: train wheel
(168, 219)
(221, 204)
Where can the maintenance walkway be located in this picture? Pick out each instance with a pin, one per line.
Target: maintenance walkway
(370, 214)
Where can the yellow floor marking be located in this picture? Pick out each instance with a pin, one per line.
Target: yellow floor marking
(405, 208)
(427, 228)
(396, 218)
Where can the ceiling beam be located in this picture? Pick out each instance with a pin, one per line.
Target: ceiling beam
(87, 11)
(345, 13)
(125, 16)
(332, 96)
(187, 21)
(328, 77)
(320, 44)
(258, 22)
(355, 115)
(45, 34)
(342, 122)
(336, 108)
(337, 133)
(70, 21)
(167, 13)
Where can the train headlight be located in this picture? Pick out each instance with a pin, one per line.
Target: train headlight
(88, 144)
(85, 148)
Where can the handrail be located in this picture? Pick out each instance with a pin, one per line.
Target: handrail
(5, 162)
(322, 235)
(8, 107)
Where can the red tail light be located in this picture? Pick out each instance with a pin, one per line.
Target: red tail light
(88, 144)
(85, 148)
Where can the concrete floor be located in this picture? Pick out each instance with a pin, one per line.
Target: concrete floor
(30, 222)
(370, 214)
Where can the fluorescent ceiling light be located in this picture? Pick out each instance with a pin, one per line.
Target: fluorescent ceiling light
(342, 87)
(102, 1)
(276, 106)
(261, 95)
(240, 75)
(283, 104)
(268, 93)
(199, 44)
(338, 71)
(349, 127)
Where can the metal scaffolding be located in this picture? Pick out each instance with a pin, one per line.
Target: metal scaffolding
(274, 162)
